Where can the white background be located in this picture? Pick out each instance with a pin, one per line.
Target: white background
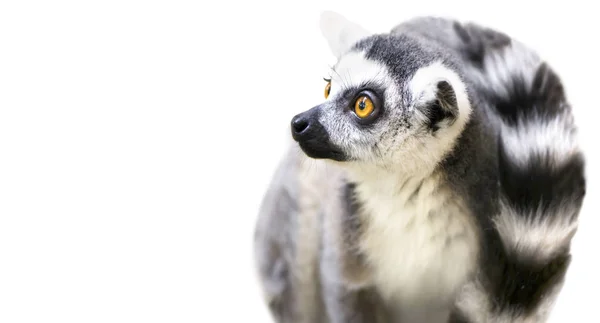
(137, 139)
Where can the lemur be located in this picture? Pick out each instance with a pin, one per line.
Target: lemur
(440, 181)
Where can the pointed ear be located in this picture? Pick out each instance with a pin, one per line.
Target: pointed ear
(340, 33)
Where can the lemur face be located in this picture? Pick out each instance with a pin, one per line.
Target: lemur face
(389, 100)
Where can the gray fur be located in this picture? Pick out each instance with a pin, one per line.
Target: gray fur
(287, 242)
(316, 239)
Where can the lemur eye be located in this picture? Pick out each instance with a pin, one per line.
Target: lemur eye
(363, 106)
(327, 89)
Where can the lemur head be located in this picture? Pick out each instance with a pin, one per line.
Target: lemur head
(391, 101)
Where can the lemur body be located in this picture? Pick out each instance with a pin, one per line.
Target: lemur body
(453, 200)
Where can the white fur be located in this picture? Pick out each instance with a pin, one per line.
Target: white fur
(535, 136)
(421, 249)
(473, 301)
(339, 32)
(354, 70)
(304, 272)
(532, 237)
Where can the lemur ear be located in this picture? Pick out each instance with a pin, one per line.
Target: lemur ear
(439, 96)
(436, 103)
(340, 33)
(442, 109)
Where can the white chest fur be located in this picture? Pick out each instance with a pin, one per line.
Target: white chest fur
(418, 238)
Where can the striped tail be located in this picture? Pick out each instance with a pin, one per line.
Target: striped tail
(542, 187)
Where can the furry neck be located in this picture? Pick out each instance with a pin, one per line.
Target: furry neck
(388, 181)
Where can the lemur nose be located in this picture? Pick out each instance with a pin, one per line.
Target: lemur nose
(299, 124)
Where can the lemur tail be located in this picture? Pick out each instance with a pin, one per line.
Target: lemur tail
(542, 186)
(541, 169)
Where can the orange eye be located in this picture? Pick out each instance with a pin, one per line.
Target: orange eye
(327, 89)
(363, 107)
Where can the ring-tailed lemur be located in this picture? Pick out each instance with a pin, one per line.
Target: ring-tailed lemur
(440, 181)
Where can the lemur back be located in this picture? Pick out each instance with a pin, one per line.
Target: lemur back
(453, 200)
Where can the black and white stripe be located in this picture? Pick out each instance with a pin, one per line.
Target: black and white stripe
(542, 186)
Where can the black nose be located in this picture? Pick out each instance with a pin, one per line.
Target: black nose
(299, 124)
